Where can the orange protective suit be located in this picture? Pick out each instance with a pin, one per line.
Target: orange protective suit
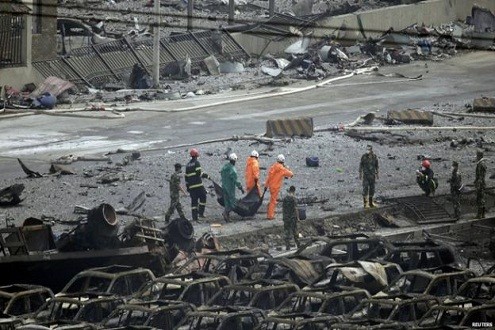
(273, 182)
(252, 174)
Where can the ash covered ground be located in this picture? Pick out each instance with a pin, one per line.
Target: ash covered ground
(332, 189)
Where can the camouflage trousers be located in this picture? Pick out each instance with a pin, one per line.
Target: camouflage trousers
(456, 202)
(368, 186)
(290, 231)
(480, 197)
(174, 205)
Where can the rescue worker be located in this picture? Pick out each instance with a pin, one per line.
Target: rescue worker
(276, 174)
(455, 189)
(425, 178)
(368, 172)
(194, 185)
(290, 217)
(479, 184)
(252, 172)
(229, 183)
(175, 189)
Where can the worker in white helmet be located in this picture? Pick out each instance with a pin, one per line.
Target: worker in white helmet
(278, 171)
(252, 172)
(229, 183)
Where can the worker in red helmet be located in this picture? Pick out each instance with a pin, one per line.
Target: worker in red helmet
(194, 185)
(425, 178)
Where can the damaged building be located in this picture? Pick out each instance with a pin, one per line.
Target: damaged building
(92, 54)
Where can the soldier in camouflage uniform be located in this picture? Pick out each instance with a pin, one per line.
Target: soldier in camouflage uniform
(368, 172)
(479, 184)
(455, 189)
(290, 217)
(175, 189)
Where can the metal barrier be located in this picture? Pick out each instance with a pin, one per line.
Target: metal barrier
(110, 61)
(11, 40)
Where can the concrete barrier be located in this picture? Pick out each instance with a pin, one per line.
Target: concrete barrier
(411, 116)
(485, 104)
(290, 127)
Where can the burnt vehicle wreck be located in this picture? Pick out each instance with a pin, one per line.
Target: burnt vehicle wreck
(95, 242)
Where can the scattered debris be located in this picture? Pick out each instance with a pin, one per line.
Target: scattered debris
(484, 104)
(30, 174)
(61, 169)
(231, 67)
(10, 196)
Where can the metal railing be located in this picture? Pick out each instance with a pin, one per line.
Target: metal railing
(11, 40)
(108, 62)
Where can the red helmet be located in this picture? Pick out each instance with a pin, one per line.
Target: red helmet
(194, 152)
(426, 163)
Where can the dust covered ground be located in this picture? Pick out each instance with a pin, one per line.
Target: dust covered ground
(329, 190)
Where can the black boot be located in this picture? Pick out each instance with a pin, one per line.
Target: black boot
(483, 213)
(194, 215)
(201, 211)
(371, 202)
(226, 216)
(365, 202)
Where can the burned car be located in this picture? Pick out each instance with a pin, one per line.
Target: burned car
(421, 255)
(72, 310)
(344, 249)
(297, 322)
(316, 303)
(371, 276)
(23, 299)
(399, 311)
(78, 326)
(440, 283)
(262, 294)
(457, 316)
(8, 322)
(298, 270)
(158, 314)
(478, 291)
(236, 264)
(193, 288)
(223, 318)
(118, 280)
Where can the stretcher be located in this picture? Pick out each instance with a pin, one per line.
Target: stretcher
(246, 206)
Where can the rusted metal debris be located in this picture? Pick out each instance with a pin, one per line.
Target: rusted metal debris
(10, 196)
(327, 283)
(30, 174)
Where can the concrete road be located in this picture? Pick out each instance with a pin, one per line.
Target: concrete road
(41, 137)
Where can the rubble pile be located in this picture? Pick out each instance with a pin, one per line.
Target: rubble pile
(308, 59)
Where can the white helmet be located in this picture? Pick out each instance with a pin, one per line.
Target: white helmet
(233, 157)
(254, 153)
(281, 158)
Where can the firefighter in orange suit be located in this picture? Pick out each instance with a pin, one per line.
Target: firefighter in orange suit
(252, 172)
(274, 180)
